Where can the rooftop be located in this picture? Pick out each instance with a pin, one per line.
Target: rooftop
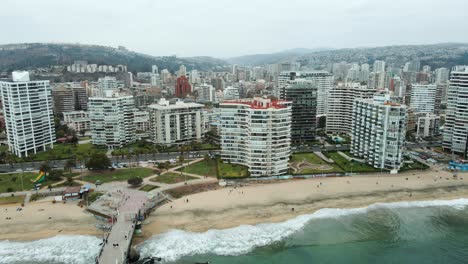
(260, 103)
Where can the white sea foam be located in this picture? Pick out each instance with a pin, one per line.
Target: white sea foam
(70, 249)
(242, 239)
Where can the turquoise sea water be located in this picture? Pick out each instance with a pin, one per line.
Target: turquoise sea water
(415, 232)
(418, 232)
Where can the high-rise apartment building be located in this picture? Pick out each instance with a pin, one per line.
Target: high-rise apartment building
(182, 87)
(176, 123)
(303, 96)
(64, 99)
(81, 97)
(182, 71)
(28, 111)
(256, 133)
(379, 66)
(111, 119)
(428, 126)
(324, 82)
(421, 98)
(340, 105)
(456, 129)
(205, 93)
(441, 75)
(378, 131)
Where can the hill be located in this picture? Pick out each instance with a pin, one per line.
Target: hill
(269, 58)
(436, 55)
(34, 55)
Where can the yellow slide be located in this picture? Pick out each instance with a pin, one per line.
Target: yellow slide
(39, 178)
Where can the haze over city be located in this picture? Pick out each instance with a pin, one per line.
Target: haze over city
(233, 28)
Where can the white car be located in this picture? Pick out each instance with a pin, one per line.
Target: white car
(19, 170)
(29, 169)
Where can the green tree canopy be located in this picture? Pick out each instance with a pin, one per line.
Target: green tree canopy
(98, 161)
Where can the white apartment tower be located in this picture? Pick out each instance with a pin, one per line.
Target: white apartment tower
(378, 132)
(456, 120)
(112, 119)
(379, 66)
(28, 111)
(177, 123)
(256, 133)
(340, 105)
(421, 97)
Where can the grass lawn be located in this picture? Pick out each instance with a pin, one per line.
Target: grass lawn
(314, 159)
(202, 168)
(309, 157)
(350, 166)
(208, 168)
(226, 170)
(13, 181)
(17, 199)
(118, 175)
(148, 188)
(67, 151)
(170, 178)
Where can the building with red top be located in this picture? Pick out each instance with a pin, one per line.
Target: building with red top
(182, 87)
(256, 133)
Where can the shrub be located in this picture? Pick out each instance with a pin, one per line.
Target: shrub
(135, 181)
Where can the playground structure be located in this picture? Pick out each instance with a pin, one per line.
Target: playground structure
(40, 178)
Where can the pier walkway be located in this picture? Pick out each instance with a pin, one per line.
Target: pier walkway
(117, 245)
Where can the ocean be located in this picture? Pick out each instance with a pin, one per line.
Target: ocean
(403, 232)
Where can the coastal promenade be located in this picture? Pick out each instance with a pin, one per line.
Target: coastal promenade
(117, 243)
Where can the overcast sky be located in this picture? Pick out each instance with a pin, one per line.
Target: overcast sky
(225, 28)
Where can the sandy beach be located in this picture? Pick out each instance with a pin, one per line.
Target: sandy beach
(260, 203)
(247, 205)
(43, 219)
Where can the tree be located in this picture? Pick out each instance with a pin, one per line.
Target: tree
(69, 181)
(45, 167)
(135, 181)
(56, 175)
(181, 159)
(98, 161)
(70, 164)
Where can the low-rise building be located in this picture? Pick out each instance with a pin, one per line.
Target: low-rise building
(77, 120)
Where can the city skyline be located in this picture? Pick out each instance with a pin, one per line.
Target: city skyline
(186, 28)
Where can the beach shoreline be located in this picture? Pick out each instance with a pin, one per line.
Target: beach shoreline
(252, 204)
(272, 203)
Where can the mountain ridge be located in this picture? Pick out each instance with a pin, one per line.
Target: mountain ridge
(32, 55)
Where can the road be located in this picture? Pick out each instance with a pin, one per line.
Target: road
(173, 155)
(144, 157)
